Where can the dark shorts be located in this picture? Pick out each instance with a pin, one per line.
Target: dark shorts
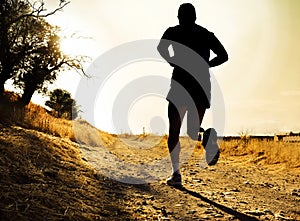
(189, 95)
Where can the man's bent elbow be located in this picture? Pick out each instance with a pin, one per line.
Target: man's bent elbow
(160, 49)
(225, 57)
(161, 46)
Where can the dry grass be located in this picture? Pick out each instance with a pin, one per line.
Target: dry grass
(36, 117)
(264, 151)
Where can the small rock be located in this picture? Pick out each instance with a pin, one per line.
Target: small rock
(267, 211)
(281, 217)
(243, 202)
(295, 192)
(208, 193)
(155, 207)
(206, 217)
(164, 212)
(209, 210)
(255, 212)
(235, 190)
(218, 215)
(191, 212)
(267, 185)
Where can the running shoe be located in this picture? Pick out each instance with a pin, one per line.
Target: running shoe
(174, 180)
(211, 147)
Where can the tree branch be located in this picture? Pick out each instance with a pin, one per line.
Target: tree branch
(36, 12)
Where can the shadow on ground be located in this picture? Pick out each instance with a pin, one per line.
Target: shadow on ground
(225, 209)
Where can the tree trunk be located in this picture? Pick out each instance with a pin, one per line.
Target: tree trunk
(5, 74)
(2, 82)
(27, 94)
(1, 89)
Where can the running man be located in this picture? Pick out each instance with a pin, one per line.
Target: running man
(190, 84)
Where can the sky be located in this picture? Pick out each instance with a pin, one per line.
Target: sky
(260, 83)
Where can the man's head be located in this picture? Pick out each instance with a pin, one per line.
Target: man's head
(186, 14)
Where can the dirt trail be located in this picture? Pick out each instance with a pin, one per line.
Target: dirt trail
(236, 188)
(47, 178)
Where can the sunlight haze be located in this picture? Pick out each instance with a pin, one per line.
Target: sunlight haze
(260, 82)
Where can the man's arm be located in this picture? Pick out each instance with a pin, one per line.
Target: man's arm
(163, 50)
(219, 50)
(163, 47)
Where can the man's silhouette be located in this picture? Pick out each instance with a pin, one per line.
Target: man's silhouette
(190, 84)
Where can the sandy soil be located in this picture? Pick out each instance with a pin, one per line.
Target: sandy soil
(43, 177)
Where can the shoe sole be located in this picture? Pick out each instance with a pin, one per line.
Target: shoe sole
(211, 146)
(212, 154)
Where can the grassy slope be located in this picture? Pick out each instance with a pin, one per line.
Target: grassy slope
(43, 177)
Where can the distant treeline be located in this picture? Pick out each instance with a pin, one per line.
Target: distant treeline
(257, 137)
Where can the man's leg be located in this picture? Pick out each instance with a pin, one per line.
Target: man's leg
(194, 121)
(209, 142)
(175, 119)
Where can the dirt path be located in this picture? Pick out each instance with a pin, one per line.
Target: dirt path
(230, 191)
(235, 189)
